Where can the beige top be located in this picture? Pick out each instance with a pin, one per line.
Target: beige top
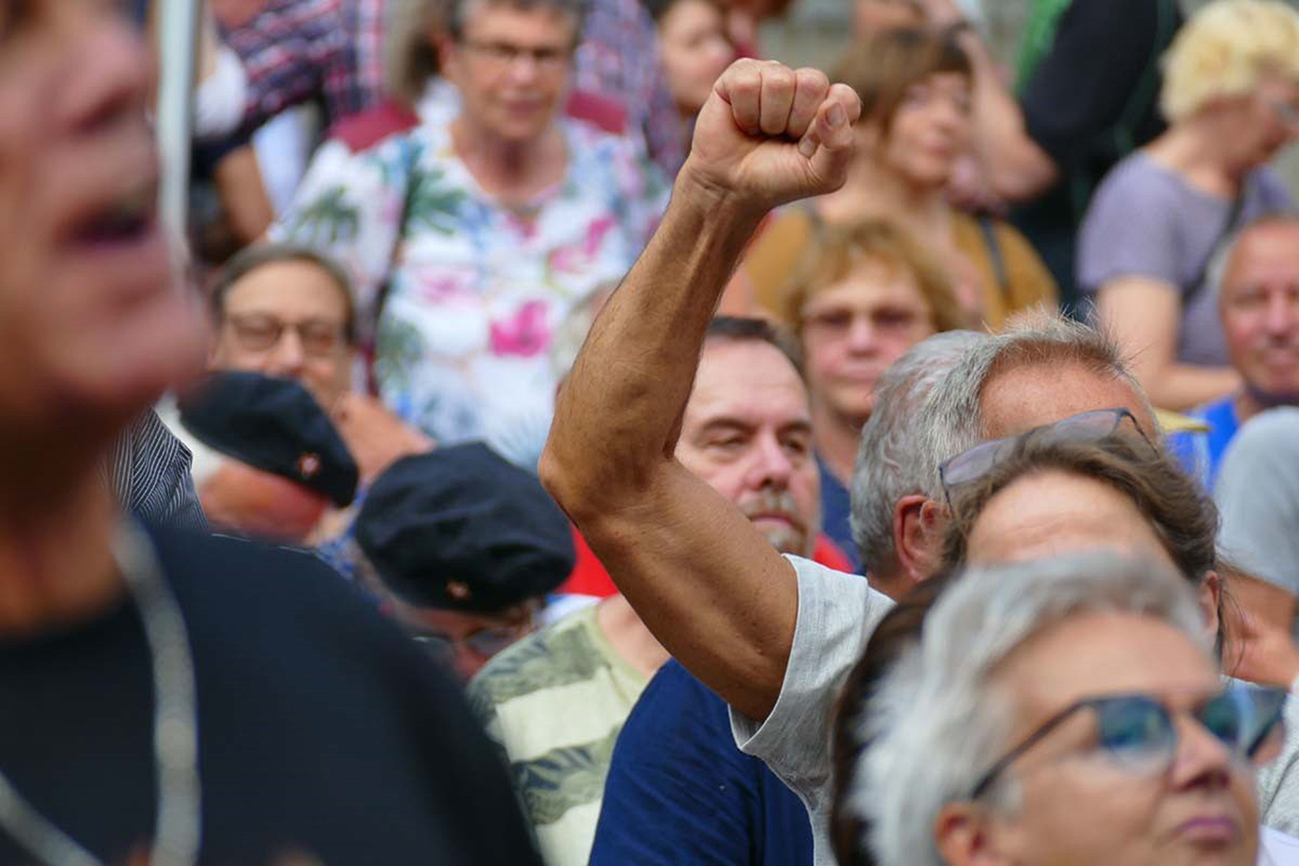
(774, 254)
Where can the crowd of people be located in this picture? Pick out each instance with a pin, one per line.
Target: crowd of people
(564, 436)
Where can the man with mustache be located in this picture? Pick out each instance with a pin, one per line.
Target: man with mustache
(747, 433)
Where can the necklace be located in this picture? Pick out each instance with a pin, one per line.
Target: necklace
(175, 728)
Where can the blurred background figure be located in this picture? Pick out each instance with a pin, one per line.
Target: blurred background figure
(1254, 281)
(1231, 95)
(286, 310)
(1045, 141)
(463, 548)
(860, 297)
(479, 235)
(916, 92)
(695, 50)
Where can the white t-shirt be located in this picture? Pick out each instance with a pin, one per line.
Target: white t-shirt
(836, 614)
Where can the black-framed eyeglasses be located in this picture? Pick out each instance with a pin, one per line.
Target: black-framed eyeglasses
(1138, 733)
(1092, 426)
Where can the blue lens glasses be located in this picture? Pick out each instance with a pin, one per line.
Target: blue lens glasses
(1138, 733)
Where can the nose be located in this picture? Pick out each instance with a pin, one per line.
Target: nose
(287, 356)
(863, 337)
(115, 73)
(1202, 760)
(771, 465)
(1283, 315)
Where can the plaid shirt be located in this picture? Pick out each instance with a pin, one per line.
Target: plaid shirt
(296, 50)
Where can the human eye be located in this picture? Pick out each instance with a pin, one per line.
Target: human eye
(894, 318)
(1134, 730)
(797, 444)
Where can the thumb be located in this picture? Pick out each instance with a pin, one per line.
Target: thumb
(829, 142)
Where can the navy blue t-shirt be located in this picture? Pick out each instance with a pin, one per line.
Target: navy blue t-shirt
(322, 729)
(836, 509)
(679, 791)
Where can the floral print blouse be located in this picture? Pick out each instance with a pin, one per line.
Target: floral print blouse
(460, 297)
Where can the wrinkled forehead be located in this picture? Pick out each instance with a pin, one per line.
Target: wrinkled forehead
(1018, 398)
(746, 379)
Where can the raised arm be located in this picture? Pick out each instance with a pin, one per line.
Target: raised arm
(707, 584)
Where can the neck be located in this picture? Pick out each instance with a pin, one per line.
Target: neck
(1198, 148)
(873, 190)
(836, 437)
(629, 636)
(1250, 402)
(56, 560)
(508, 167)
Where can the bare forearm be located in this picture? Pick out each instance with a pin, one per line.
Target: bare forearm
(708, 585)
(1016, 167)
(618, 413)
(1181, 386)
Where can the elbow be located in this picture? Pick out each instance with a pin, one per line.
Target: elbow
(560, 479)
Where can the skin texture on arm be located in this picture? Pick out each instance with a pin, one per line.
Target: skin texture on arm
(1015, 167)
(1144, 315)
(703, 579)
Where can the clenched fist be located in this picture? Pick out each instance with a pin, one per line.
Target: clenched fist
(769, 135)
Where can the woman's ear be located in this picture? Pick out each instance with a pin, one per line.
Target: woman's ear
(966, 835)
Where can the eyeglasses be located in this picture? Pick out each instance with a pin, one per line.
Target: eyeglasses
(1138, 734)
(1093, 426)
(503, 55)
(259, 333)
(485, 642)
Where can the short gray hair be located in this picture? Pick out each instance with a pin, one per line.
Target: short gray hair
(892, 461)
(1215, 274)
(951, 421)
(936, 716)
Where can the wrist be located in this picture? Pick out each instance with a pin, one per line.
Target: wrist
(695, 190)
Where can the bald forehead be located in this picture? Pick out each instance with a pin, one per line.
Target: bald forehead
(1029, 395)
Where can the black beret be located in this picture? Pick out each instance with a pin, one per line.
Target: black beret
(274, 425)
(461, 528)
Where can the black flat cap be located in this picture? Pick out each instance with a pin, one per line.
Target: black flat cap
(274, 425)
(461, 528)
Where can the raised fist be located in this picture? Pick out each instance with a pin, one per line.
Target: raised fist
(769, 135)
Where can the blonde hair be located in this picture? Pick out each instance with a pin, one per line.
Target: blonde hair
(836, 251)
(1223, 51)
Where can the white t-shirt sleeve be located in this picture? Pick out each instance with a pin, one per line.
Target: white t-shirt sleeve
(836, 614)
(1257, 493)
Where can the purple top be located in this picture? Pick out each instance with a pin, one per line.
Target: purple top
(1147, 221)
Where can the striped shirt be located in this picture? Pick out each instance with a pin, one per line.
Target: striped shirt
(148, 469)
(555, 702)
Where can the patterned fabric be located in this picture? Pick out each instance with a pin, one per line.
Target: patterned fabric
(618, 58)
(472, 292)
(148, 470)
(555, 703)
(296, 50)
